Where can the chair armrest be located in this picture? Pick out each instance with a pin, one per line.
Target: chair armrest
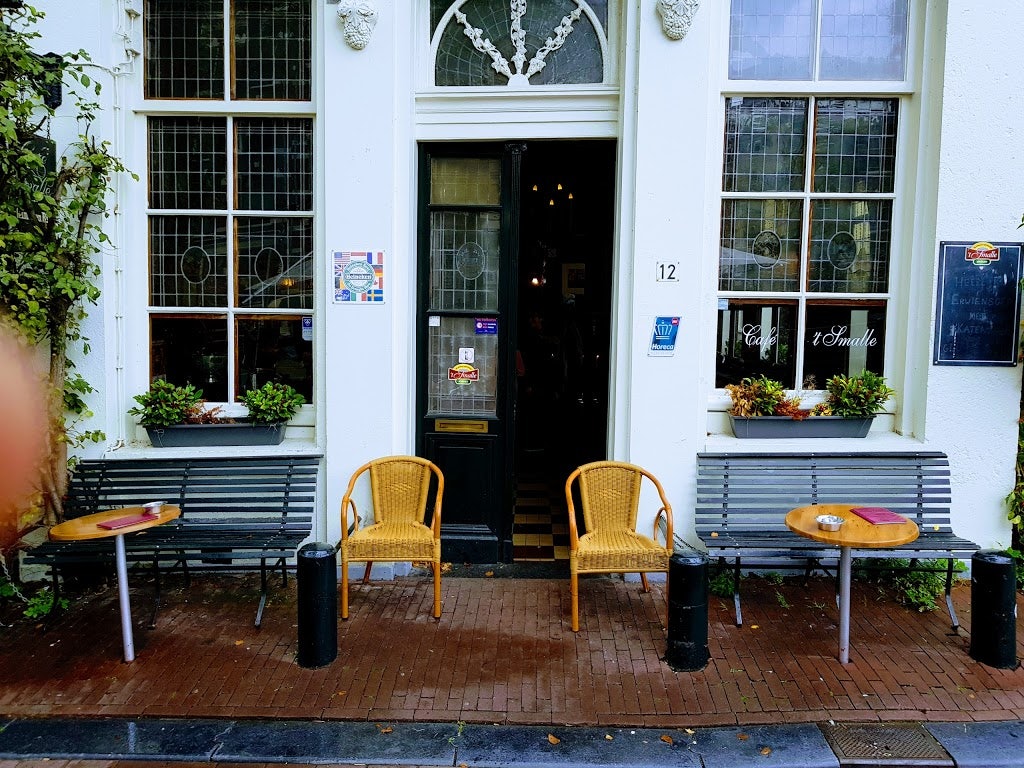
(574, 536)
(346, 529)
(665, 513)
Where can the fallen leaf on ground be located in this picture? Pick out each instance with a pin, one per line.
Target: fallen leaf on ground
(552, 739)
(754, 626)
(766, 750)
(488, 573)
(742, 736)
(690, 731)
(609, 737)
(239, 642)
(667, 739)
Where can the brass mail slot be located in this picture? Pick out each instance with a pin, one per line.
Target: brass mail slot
(476, 426)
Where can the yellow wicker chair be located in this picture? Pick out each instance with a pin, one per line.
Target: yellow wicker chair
(400, 487)
(610, 495)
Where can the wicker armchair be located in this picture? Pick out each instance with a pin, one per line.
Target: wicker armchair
(400, 487)
(610, 495)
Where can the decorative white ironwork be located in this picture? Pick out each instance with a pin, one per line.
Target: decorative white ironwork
(518, 34)
(484, 45)
(676, 16)
(358, 18)
(562, 31)
(499, 63)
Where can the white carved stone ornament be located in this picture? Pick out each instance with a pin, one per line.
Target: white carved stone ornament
(676, 16)
(358, 18)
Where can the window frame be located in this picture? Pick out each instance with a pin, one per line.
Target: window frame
(230, 109)
(903, 91)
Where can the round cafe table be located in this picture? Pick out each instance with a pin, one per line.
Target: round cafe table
(854, 533)
(88, 527)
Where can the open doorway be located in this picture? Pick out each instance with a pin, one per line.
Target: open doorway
(563, 305)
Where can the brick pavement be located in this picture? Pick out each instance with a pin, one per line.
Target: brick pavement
(503, 653)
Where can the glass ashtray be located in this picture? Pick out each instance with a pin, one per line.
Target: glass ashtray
(829, 522)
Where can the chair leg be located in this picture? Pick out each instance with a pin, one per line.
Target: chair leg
(366, 573)
(643, 580)
(437, 589)
(344, 590)
(574, 593)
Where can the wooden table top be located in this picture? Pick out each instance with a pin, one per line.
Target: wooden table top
(854, 532)
(87, 526)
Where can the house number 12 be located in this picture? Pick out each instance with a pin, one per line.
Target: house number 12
(667, 272)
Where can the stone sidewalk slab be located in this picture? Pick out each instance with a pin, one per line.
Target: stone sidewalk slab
(982, 745)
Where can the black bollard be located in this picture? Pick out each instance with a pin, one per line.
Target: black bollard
(994, 609)
(317, 585)
(687, 612)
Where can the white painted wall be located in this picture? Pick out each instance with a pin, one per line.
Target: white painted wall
(972, 412)
(369, 119)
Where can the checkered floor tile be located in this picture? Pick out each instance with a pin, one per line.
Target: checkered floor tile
(540, 531)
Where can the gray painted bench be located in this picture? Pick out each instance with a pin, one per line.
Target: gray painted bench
(236, 514)
(743, 498)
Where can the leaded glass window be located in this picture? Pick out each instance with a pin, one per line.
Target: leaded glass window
(519, 43)
(268, 57)
(210, 253)
(806, 237)
(231, 272)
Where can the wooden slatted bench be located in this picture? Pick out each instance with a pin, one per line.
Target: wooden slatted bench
(743, 498)
(236, 514)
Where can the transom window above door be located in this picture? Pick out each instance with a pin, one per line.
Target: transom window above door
(519, 43)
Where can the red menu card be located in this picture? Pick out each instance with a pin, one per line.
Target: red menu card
(124, 522)
(878, 515)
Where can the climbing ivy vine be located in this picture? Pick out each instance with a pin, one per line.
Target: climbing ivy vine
(52, 206)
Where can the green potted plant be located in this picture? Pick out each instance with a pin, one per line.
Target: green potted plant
(177, 416)
(854, 397)
(760, 408)
(273, 403)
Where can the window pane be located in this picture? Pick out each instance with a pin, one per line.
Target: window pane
(187, 162)
(771, 39)
(760, 245)
(462, 396)
(863, 40)
(274, 160)
(275, 262)
(188, 261)
(272, 49)
(850, 246)
(765, 142)
(464, 259)
(757, 338)
(855, 145)
(184, 49)
(577, 60)
(465, 181)
(191, 350)
(273, 349)
(843, 338)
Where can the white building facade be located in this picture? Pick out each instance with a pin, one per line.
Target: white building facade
(454, 225)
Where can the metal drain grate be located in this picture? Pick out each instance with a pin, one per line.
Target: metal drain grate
(884, 744)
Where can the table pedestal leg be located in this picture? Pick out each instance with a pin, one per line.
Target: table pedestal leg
(122, 595)
(845, 562)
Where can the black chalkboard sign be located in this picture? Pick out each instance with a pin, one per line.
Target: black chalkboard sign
(978, 308)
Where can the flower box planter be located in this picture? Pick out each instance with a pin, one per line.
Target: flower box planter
(237, 432)
(812, 426)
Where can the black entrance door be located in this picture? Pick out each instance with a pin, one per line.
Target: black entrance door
(514, 297)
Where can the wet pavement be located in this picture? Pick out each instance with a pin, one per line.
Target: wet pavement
(501, 679)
